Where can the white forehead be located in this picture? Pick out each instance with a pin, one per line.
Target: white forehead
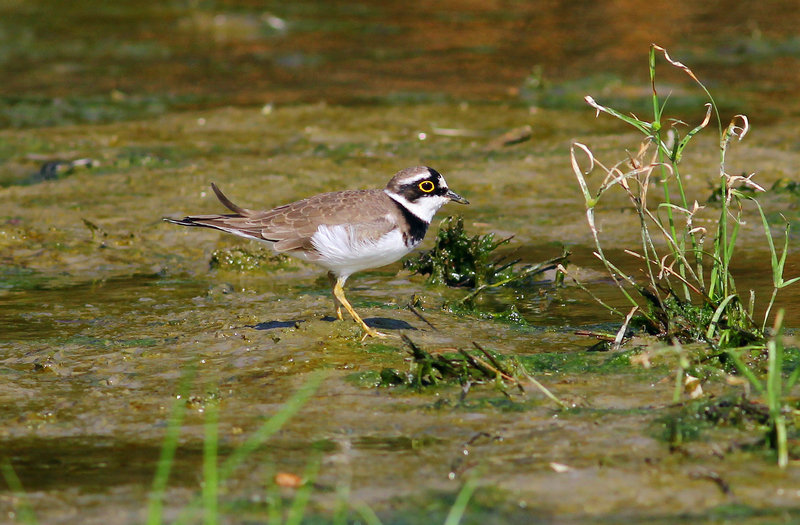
(419, 175)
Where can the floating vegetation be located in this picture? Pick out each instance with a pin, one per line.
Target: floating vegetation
(463, 261)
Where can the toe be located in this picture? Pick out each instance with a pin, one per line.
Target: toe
(369, 332)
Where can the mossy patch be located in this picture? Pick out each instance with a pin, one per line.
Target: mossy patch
(241, 259)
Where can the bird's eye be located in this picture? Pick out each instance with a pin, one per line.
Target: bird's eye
(426, 186)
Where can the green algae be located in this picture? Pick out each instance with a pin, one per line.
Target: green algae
(246, 260)
(16, 278)
(577, 363)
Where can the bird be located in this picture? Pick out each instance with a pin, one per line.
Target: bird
(343, 231)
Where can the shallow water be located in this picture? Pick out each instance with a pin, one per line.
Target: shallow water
(100, 321)
(103, 306)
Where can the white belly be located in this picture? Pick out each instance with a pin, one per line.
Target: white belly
(342, 252)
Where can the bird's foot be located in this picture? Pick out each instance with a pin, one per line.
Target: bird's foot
(371, 332)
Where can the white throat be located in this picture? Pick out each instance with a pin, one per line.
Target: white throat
(425, 208)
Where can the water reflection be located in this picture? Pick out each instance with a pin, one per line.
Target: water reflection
(106, 61)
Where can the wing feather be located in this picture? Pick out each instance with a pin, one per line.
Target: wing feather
(290, 227)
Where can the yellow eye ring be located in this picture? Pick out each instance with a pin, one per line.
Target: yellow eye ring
(426, 186)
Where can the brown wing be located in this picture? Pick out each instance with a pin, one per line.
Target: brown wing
(291, 226)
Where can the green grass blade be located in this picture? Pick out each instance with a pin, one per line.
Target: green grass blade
(367, 514)
(657, 108)
(678, 151)
(581, 175)
(155, 504)
(679, 65)
(261, 435)
(745, 370)
(782, 441)
(25, 512)
(210, 478)
(768, 233)
(272, 425)
(775, 364)
(773, 377)
(734, 233)
(342, 505)
(793, 378)
(303, 494)
(790, 281)
(712, 326)
(683, 363)
(677, 391)
(775, 391)
(777, 263)
(785, 252)
(460, 505)
(642, 126)
(273, 499)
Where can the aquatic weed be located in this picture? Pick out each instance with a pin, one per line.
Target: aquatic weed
(460, 260)
(463, 261)
(465, 368)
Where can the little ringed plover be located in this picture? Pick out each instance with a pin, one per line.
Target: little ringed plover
(343, 231)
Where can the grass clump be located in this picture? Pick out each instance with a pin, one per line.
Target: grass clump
(774, 415)
(775, 389)
(688, 293)
(461, 367)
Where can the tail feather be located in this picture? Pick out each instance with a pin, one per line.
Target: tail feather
(228, 204)
(218, 222)
(237, 223)
(186, 221)
(209, 221)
